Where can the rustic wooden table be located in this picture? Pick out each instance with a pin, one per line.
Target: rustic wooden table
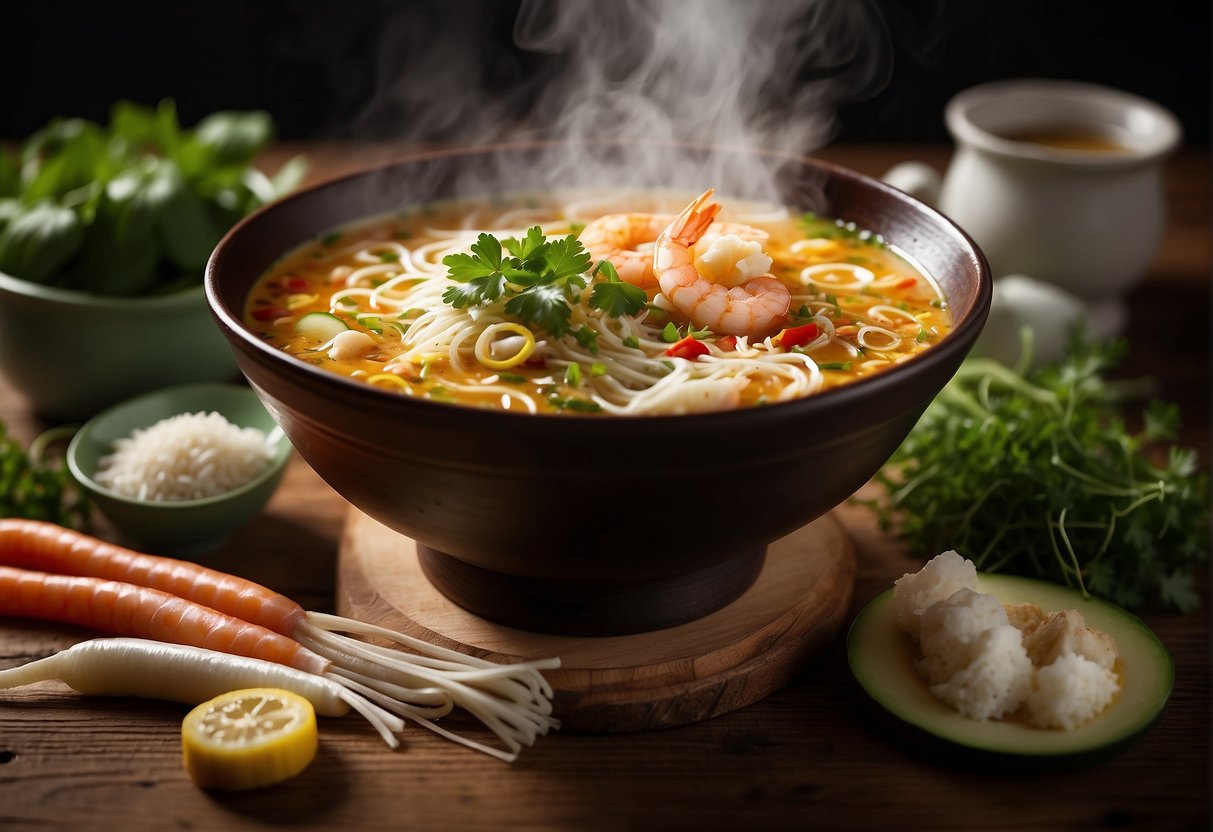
(810, 756)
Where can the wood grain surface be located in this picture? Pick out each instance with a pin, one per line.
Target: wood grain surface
(673, 676)
(810, 756)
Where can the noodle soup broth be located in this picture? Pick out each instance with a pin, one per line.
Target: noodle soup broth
(372, 301)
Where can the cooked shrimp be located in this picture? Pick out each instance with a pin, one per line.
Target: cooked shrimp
(754, 308)
(513, 700)
(627, 241)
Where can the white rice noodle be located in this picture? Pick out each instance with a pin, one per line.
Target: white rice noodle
(877, 338)
(190, 456)
(641, 380)
(891, 315)
(836, 277)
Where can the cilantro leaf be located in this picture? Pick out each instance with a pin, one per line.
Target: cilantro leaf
(567, 257)
(476, 292)
(614, 296)
(529, 248)
(542, 305)
(485, 260)
(539, 279)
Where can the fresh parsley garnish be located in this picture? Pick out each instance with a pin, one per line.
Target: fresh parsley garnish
(539, 278)
(1036, 474)
(614, 296)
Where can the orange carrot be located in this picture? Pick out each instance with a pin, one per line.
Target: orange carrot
(139, 611)
(31, 544)
(513, 700)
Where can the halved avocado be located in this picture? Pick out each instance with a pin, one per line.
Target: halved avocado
(882, 658)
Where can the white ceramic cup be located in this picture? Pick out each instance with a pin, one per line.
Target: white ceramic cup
(1086, 221)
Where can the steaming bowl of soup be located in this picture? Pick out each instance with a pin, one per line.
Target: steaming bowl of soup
(594, 523)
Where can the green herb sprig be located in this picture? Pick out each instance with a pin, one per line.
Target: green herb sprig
(1036, 474)
(540, 280)
(35, 490)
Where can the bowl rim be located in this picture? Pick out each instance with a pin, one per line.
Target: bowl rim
(841, 397)
(276, 437)
(150, 304)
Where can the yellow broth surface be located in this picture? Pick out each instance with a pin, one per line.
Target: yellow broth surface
(857, 307)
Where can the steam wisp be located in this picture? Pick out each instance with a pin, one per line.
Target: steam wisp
(654, 74)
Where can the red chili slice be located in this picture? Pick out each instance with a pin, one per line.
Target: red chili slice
(689, 348)
(797, 336)
(270, 313)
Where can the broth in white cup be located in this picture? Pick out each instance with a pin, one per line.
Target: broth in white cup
(1057, 180)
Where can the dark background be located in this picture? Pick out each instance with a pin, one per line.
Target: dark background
(312, 64)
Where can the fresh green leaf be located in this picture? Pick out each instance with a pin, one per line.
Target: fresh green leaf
(670, 334)
(542, 306)
(477, 291)
(537, 277)
(567, 257)
(186, 233)
(37, 241)
(150, 199)
(234, 138)
(529, 247)
(65, 155)
(613, 296)
(120, 252)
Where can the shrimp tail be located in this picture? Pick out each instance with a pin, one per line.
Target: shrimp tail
(694, 220)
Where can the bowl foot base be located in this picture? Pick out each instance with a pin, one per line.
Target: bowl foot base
(589, 609)
(707, 667)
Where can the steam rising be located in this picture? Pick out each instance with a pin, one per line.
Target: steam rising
(763, 74)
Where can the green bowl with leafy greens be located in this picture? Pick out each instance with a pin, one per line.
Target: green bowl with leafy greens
(104, 233)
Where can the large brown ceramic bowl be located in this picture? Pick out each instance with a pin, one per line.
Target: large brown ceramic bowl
(591, 525)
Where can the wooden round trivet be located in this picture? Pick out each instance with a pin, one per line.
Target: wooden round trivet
(675, 676)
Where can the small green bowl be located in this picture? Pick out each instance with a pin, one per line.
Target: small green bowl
(183, 528)
(73, 354)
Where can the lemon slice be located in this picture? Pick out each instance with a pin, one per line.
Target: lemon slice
(249, 738)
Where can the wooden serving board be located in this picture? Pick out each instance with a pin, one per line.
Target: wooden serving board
(716, 664)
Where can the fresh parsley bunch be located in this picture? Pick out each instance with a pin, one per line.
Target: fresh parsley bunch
(540, 279)
(1037, 475)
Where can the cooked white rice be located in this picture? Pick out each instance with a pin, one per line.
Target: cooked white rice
(185, 457)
